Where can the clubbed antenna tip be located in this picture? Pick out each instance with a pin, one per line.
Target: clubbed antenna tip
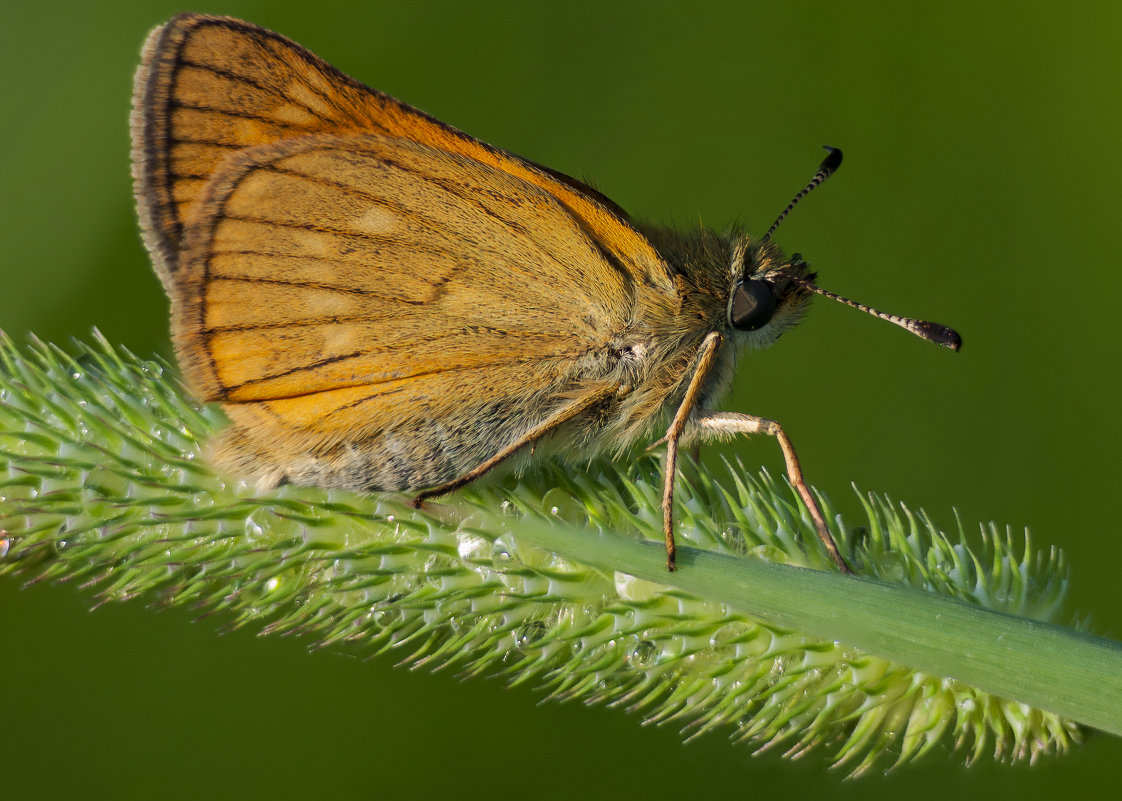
(932, 332)
(827, 168)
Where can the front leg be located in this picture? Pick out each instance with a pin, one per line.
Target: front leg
(706, 357)
(724, 424)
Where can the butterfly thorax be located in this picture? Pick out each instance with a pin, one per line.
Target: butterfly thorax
(657, 353)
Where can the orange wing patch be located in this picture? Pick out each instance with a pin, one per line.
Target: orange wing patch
(327, 275)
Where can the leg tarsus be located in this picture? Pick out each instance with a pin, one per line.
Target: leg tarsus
(668, 503)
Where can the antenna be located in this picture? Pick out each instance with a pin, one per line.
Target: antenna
(828, 167)
(932, 332)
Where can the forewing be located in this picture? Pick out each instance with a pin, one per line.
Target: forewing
(209, 87)
(347, 281)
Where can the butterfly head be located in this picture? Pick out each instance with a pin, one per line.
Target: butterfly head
(769, 293)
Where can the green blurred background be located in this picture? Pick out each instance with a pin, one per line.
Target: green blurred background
(980, 190)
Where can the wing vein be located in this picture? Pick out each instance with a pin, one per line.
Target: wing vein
(241, 115)
(447, 187)
(271, 90)
(319, 285)
(326, 229)
(209, 142)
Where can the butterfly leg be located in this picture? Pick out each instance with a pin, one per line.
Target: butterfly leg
(730, 423)
(706, 357)
(715, 425)
(563, 415)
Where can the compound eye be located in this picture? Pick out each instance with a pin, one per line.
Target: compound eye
(753, 305)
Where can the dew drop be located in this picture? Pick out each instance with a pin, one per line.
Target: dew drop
(504, 555)
(388, 617)
(643, 655)
(723, 642)
(252, 528)
(529, 633)
(564, 506)
(471, 547)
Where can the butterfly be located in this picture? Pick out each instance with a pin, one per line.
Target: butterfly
(381, 302)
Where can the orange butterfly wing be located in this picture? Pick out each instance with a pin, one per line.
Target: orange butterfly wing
(345, 282)
(378, 299)
(209, 86)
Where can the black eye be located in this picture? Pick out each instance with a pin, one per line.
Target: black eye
(753, 304)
